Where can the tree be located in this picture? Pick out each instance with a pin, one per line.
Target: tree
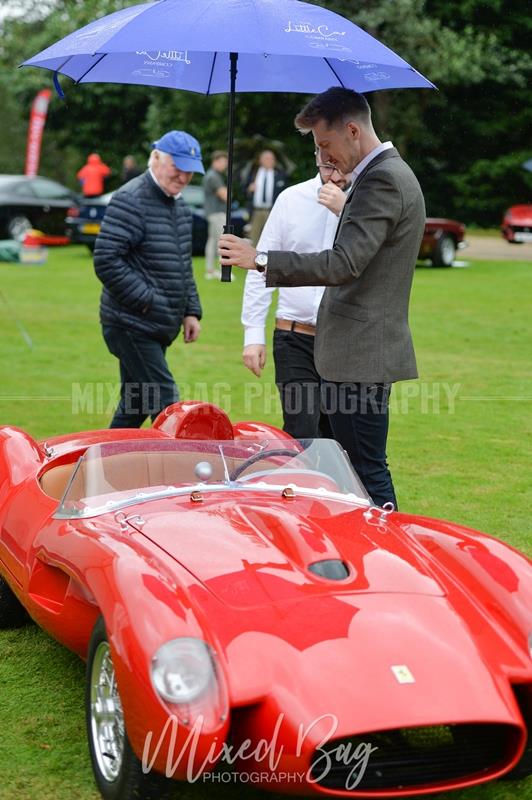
(478, 55)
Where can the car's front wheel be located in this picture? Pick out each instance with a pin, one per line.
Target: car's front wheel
(444, 252)
(12, 612)
(17, 227)
(117, 770)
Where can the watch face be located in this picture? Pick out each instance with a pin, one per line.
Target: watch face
(261, 259)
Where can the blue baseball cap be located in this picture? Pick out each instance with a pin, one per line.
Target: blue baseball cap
(184, 149)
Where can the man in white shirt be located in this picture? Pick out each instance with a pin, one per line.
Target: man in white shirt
(303, 219)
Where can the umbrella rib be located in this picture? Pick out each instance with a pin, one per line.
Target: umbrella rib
(334, 72)
(212, 72)
(90, 68)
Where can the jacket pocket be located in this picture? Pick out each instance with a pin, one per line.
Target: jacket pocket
(350, 310)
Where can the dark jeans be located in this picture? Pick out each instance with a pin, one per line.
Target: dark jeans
(358, 413)
(147, 385)
(299, 386)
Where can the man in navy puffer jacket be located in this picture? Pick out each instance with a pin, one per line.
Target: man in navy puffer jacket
(143, 257)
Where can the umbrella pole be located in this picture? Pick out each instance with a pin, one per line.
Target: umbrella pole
(228, 228)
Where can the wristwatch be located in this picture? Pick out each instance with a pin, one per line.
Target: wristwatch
(261, 262)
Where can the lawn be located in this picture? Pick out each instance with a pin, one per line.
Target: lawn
(459, 448)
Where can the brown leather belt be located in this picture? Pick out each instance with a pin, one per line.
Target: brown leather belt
(295, 327)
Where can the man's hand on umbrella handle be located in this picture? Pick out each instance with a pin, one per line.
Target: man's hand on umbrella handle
(191, 329)
(236, 252)
(332, 197)
(254, 358)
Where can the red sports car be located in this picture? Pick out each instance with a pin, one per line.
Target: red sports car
(517, 224)
(241, 605)
(441, 239)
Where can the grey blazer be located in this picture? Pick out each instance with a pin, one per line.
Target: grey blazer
(362, 331)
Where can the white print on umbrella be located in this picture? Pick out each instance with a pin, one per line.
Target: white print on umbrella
(377, 76)
(151, 73)
(168, 55)
(305, 27)
(329, 45)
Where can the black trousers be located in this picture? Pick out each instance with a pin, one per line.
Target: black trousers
(299, 386)
(146, 383)
(359, 416)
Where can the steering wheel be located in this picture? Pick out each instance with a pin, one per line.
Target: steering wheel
(287, 472)
(258, 457)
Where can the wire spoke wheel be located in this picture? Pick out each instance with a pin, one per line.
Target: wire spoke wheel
(117, 770)
(106, 715)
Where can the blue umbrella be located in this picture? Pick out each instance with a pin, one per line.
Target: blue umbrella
(215, 46)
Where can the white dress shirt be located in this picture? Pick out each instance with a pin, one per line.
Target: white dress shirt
(299, 223)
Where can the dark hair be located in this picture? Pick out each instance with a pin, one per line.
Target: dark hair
(334, 106)
(218, 154)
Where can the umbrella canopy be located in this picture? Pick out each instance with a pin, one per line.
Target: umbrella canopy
(215, 46)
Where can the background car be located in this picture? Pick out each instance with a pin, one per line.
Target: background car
(441, 239)
(83, 222)
(38, 202)
(516, 225)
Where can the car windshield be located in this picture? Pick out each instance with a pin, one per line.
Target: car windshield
(114, 475)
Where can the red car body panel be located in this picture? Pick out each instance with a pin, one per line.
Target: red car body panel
(435, 228)
(517, 224)
(303, 659)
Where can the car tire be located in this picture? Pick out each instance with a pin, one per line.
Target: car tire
(17, 227)
(12, 612)
(117, 770)
(444, 252)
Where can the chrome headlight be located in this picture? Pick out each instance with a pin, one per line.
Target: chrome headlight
(182, 670)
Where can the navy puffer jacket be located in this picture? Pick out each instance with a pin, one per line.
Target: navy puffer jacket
(143, 257)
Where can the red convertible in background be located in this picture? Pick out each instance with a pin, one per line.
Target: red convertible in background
(441, 239)
(241, 604)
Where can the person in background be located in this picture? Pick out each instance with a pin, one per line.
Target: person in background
(263, 188)
(92, 176)
(143, 257)
(304, 219)
(214, 205)
(129, 169)
(363, 340)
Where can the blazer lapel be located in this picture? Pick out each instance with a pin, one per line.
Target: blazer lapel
(391, 152)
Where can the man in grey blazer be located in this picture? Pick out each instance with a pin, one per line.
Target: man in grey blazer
(363, 342)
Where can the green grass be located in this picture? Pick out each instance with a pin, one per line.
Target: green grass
(493, 232)
(467, 459)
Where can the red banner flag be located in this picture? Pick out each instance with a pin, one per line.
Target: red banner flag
(39, 110)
